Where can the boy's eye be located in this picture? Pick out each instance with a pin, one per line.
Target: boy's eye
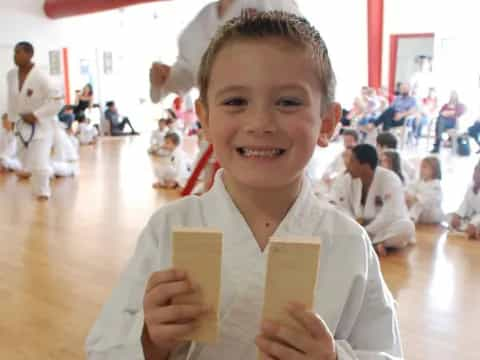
(237, 101)
(289, 102)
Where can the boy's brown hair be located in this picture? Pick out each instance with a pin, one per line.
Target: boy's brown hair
(279, 24)
(435, 165)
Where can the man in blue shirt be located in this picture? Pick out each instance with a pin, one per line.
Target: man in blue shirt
(403, 107)
(117, 125)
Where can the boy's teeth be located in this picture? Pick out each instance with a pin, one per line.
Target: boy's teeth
(261, 153)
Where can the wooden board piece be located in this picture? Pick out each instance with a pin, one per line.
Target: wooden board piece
(199, 253)
(291, 276)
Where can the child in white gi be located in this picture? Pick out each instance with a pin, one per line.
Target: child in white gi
(176, 172)
(424, 196)
(87, 133)
(157, 139)
(467, 217)
(8, 146)
(266, 94)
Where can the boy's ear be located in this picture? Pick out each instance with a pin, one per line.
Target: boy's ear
(202, 113)
(329, 123)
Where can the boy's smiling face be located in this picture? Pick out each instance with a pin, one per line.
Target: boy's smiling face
(264, 111)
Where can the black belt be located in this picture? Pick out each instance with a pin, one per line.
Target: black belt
(24, 141)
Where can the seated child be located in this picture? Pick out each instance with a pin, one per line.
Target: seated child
(467, 217)
(424, 196)
(264, 122)
(176, 173)
(390, 159)
(65, 155)
(8, 146)
(158, 138)
(87, 134)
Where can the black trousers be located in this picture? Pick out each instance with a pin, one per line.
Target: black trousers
(387, 119)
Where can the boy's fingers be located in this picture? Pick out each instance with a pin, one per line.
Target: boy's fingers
(296, 339)
(171, 332)
(178, 313)
(165, 292)
(166, 276)
(310, 321)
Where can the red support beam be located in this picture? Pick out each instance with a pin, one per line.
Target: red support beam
(56, 9)
(375, 42)
(66, 75)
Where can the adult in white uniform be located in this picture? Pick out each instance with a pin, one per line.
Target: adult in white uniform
(374, 196)
(194, 40)
(33, 103)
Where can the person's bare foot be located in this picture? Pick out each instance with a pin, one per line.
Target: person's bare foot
(157, 185)
(24, 175)
(381, 250)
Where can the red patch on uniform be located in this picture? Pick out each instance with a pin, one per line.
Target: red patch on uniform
(29, 92)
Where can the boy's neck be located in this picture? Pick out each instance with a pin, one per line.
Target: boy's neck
(263, 209)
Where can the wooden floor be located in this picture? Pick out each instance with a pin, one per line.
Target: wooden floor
(60, 259)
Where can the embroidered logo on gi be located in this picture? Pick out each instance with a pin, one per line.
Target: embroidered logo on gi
(29, 92)
(378, 201)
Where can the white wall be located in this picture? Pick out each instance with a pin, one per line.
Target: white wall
(343, 25)
(456, 52)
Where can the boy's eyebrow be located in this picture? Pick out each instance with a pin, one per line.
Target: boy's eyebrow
(289, 86)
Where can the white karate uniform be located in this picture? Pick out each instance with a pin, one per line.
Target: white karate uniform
(156, 141)
(351, 296)
(469, 210)
(64, 161)
(335, 168)
(428, 208)
(385, 212)
(87, 133)
(8, 151)
(196, 37)
(177, 170)
(38, 96)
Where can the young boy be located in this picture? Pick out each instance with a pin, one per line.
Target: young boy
(87, 133)
(266, 95)
(176, 173)
(467, 217)
(157, 139)
(8, 146)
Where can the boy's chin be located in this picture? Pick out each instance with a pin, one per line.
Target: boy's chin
(261, 181)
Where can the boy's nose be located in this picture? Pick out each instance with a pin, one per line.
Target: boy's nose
(261, 121)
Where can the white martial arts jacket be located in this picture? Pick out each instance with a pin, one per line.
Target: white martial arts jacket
(351, 295)
(38, 96)
(429, 196)
(385, 202)
(196, 37)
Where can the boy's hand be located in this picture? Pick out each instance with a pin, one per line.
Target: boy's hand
(471, 231)
(282, 343)
(456, 221)
(165, 323)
